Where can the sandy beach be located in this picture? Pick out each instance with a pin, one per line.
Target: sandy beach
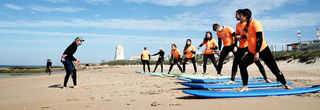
(119, 87)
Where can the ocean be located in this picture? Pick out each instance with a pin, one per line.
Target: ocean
(3, 66)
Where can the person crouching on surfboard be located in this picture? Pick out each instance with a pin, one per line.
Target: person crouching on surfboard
(176, 58)
(258, 48)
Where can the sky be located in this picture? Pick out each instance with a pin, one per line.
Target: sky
(33, 30)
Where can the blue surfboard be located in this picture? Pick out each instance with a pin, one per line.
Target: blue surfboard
(216, 80)
(251, 92)
(229, 86)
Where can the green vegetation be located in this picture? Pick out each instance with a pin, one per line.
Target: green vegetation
(302, 56)
(199, 60)
(26, 69)
(128, 62)
(308, 57)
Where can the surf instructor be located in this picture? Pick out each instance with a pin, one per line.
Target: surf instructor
(69, 61)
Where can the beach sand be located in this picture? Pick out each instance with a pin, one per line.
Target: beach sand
(119, 87)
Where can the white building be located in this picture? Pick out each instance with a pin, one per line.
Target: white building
(119, 53)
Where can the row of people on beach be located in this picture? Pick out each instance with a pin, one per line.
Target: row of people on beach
(248, 33)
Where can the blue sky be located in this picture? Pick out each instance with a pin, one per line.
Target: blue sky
(34, 30)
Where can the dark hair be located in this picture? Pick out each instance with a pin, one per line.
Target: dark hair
(214, 26)
(145, 48)
(205, 39)
(186, 46)
(174, 45)
(247, 13)
(238, 11)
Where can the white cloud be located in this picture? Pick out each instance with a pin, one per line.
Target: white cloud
(290, 21)
(131, 24)
(97, 2)
(184, 21)
(15, 7)
(50, 9)
(57, 1)
(173, 2)
(106, 37)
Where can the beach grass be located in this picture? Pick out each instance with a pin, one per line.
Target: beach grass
(308, 56)
(28, 69)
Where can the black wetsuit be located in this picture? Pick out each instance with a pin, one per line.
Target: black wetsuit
(175, 61)
(144, 62)
(160, 60)
(266, 56)
(68, 64)
(240, 54)
(48, 68)
(193, 60)
(211, 57)
(224, 53)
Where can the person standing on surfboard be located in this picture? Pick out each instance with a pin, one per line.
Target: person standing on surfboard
(189, 51)
(226, 34)
(258, 48)
(211, 45)
(176, 58)
(145, 58)
(69, 61)
(243, 48)
(160, 59)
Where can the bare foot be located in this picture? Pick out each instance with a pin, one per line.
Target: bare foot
(204, 74)
(231, 82)
(63, 87)
(268, 81)
(243, 89)
(218, 76)
(75, 87)
(287, 86)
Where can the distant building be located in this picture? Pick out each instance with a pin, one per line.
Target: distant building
(304, 45)
(119, 54)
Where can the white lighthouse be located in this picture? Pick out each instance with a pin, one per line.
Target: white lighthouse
(119, 53)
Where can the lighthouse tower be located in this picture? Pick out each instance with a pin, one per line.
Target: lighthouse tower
(119, 53)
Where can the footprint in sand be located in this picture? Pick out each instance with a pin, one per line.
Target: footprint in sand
(47, 107)
(155, 103)
(174, 104)
(108, 100)
(73, 99)
(92, 98)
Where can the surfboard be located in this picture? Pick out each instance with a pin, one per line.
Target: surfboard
(200, 76)
(142, 72)
(251, 92)
(164, 74)
(217, 80)
(229, 86)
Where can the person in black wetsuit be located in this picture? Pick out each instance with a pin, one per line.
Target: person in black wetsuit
(160, 59)
(49, 66)
(68, 61)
